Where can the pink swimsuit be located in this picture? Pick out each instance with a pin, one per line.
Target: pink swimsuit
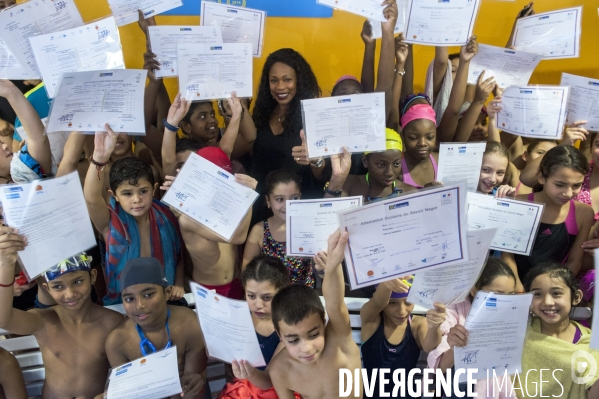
(406, 174)
(584, 196)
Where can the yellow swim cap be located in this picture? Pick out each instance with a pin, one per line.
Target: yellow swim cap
(393, 140)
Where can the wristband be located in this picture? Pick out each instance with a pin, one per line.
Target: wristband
(170, 127)
(8, 285)
(402, 72)
(99, 166)
(331, 192)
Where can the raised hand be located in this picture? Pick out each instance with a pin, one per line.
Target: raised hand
(151, 64)
(144, 23)
(494, 108)
(401, 49)
(341, 163)
(484, 87)
(575, 132)
(192, 384)
(336, 248)
(10, 243)
(300, 152)
(246, 181)
(458, 336)
(178, 110)
(235, 105)
(390, 13)
(469, 50)
(435, 317)
(397, 285)
(242, 369)
(366, 34)
(104, 143)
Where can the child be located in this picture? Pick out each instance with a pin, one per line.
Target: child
(263, 277)
(391, 338)
(215, 261)
(152, 325)
(268, 237)
(493, 170)
(313, 354)
(419, 134)
(565, 224)
(553, 341)
(536, 148)
(588, 191)
(496, 277)
(71, 335)
(134, 224)
(12, 385)
(382, 177)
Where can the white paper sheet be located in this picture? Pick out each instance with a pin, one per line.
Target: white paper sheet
(460, 162)
(451, 284)
(440, 23)
(227, 327)
(210, 72)
(155, 376)
(517, 222)
(10, 67)
(210, 196)
(554, 34)
(497, 326)
(93, 47)
(53, 216)
(583, 102)
(311, 222)
(31, 18)
(87, 100)
(509, 67)
(125, 11)
(534, 111)
(405, 235)
(371, 9)
(377, 30)
(237, 24)
(356, 122)
(165, 39)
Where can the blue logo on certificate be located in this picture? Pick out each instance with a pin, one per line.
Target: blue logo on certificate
(400, 205)
(222, 174)
(201, 293)
(461, 150)
(594, 83)
(13, 189)
(345, 100)
(326, 205)
(503, 204)
(184, 29)
(491, 303)
(13, 196)
(525, 91)
(105, 74)
(231, 11)
(216, 48)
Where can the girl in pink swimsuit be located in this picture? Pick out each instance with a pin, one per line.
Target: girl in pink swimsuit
(584, 195)
(419, 133)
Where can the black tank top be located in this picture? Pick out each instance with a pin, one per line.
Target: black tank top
(378, 353)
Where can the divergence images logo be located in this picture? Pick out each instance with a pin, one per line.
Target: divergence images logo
(579, 363)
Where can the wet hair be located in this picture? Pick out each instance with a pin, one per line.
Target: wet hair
(186, 144)
(266, 268)
(536, 142)
(129, 170)
(453, 56)
(306, 88)
(294, 303)
(493, 147)
(281, 176)
(563, 156)
(494, 268)
(553, 270)
(192, 108)
(354, 82)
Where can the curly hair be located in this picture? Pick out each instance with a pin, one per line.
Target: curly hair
(306, 86)
(129, 170)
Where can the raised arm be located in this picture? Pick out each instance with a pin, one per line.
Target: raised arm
(401, 55)
(484, 87)
(493, 109)
(369, 313)
(193, 380)
(509, 259)
(72, 153)
(449, 121)
(367, 78)
(386, 70)
(429, 333)
(333, 289)
(584, 217)
(154, 90)
(176, 113)
(104, 144)
(340, 166)
(253, 245)
(13, 320)
(247, 134)
(38, 144)
(439, 70)
(227, 142)
(525, 12)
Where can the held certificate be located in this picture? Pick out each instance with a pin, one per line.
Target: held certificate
(554, 34)
(497, 326)
(460, 162)
(367, 8)
(52, 215)
(227, 327)
(405, 235)
(209, 72)
(440, 23)
(311, 222)
(164, 41)
(377, 29)
(356, 122)
(238, 24)
(10, 67)
(93, 47)
(583, 102)
(509, 67)
(125, 11)
(517, 222)
(534, 111)
(32, 18)
(210, 196)
(155, 376)
(451, 284)
(88, 100)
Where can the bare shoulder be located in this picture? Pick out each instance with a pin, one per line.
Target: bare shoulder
(119, 333)
(279, 365)
(405, 188)
(583, 211)
(109, 318)
(257, 232)
(418, 322)
(183, 316)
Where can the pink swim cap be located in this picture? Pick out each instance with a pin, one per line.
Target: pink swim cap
(419, 111)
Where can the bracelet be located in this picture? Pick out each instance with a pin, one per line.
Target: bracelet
(8, 285)
(99, 166)
(331, 192)
(402, 72)
(170, 127)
